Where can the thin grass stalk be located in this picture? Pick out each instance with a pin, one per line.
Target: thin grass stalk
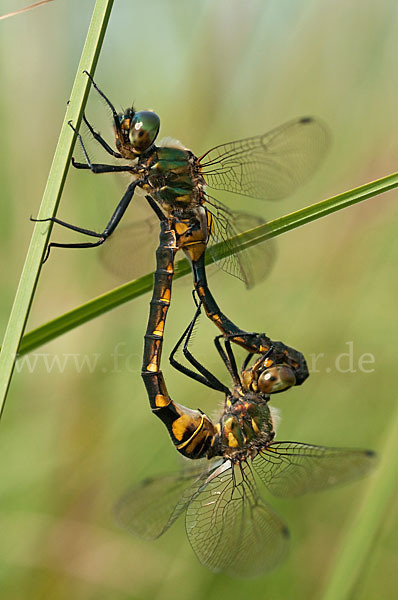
(52, 193)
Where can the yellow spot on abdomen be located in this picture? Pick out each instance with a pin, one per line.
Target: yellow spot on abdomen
(181, 426)
(181, 227)
(166, 296)
(161, 400)
(159, 330)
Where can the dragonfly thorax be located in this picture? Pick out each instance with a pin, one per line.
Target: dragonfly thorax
(246, 426)
(171, 178)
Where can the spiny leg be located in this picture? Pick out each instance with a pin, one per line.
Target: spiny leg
(109, 229)
(98, 137)
(156, 208)
(97, 167)
(203, 376)
(247, 360)
(228, 358)
(109, 103)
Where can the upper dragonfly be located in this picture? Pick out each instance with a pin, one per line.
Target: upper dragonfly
(175, 181)
(267, 167)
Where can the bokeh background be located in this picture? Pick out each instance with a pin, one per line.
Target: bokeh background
(77, 429)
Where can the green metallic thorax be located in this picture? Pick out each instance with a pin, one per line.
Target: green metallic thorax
(173, 178)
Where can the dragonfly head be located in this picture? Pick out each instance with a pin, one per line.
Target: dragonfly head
(144, 128)
(268, 378)
(276, 379)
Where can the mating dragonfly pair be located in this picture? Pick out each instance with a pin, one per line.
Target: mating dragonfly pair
(228, 524)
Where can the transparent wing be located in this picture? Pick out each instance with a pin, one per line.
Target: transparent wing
(130, 251)
(250, 265)
(229, 526)
(151, 507)
(269, 166)
(292, 468)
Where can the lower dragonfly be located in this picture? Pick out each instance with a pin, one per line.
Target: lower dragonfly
(268, 166)
(229, 526)
(278, 368)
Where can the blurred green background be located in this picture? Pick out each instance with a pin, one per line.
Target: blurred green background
(76, 434)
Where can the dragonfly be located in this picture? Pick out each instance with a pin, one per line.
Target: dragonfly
(176, 184)
(230, 527)
(278, 368)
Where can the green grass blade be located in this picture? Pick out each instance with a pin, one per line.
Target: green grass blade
(317, 211)
(120, 295)
(359, 540)
(51, 197)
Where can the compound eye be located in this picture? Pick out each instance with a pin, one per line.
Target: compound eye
(276, 379)
(144, 129)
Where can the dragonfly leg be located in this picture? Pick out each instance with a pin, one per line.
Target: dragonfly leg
(257, 342)
(260, 342)
(109, 103)
(260, 360)
(109, 229)
(247, 360)
(96, 168)
(228, 358)
(101, 168)
(203, 376)
(98, 137)
(156, 208)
